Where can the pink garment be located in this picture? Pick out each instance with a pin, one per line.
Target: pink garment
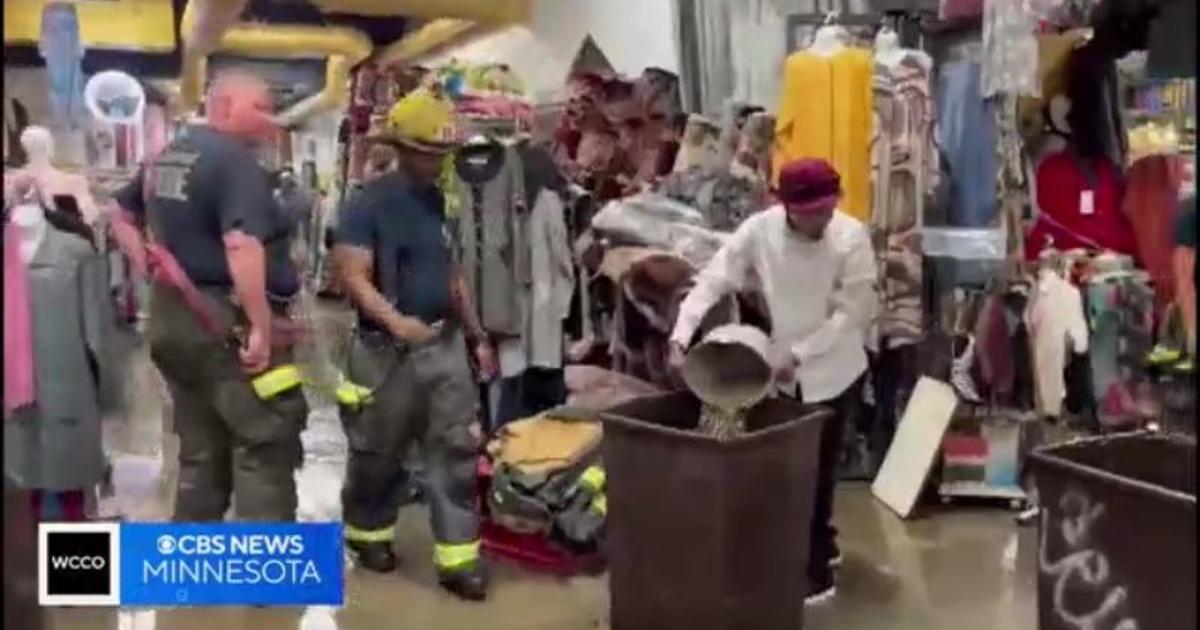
(18, 326)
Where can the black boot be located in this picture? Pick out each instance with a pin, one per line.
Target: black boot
(469, 582)
(374, 556)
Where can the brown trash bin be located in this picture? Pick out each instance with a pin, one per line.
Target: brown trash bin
(708, 535)
(1117, 545)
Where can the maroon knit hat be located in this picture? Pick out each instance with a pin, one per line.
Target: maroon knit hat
(808, 184)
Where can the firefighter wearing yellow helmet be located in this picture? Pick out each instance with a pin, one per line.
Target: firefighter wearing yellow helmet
(409, 358)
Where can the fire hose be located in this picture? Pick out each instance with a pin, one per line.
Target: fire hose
(164, 270)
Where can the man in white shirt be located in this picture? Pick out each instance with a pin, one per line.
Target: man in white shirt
(816, 268)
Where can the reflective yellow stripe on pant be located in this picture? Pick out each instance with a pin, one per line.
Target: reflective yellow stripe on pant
(451, 557)
(276, 381)
(355, 534)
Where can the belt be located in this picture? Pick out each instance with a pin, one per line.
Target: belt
(445, 330)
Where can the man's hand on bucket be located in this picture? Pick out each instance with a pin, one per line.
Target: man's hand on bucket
(786, 365)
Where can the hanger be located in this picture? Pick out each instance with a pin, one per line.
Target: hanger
(831, 37)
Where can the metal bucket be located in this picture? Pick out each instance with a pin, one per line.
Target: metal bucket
(731, 368)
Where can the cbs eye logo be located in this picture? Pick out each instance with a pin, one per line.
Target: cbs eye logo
(78, 564)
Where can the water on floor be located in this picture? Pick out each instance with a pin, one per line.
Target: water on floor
(956, 567)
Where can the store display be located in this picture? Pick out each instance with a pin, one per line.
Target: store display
(1008, 261)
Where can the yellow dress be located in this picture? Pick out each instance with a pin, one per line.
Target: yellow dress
(825, 112)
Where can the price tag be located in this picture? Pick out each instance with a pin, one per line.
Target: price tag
(1087, 202)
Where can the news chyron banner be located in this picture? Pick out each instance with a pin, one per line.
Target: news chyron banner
(190, 564)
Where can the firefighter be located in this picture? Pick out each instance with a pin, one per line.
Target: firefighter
(206, 205)
(395, 259)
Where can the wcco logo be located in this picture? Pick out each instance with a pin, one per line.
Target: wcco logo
(77, 564)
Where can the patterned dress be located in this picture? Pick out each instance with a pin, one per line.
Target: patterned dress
(904, 165)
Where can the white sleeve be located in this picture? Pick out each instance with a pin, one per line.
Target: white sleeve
(729, 271)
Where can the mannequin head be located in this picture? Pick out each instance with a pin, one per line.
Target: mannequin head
(38, 145)
(240, 104)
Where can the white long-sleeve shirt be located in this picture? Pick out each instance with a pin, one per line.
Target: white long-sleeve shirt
(821, 295)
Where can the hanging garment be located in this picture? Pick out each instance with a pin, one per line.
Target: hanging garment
(553, 276)
(1080, 207)
(492, 230)
(1120, 310)
(1011, 47)
(1095, 119)
(57, 444)
(966, 133)
(904, 166)
(825, 112)
(994, 349)
(19, 386)
(1057, 327)
(1151, 205)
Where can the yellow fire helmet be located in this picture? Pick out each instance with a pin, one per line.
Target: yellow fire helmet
(422, 121)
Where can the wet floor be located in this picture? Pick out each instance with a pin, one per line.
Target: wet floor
(956, 567)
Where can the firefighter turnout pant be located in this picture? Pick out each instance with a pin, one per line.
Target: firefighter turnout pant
(238, 435)
(425, 395)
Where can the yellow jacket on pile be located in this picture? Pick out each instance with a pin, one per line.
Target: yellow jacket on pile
(825, 112)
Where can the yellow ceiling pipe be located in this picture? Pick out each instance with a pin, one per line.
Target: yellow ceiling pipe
(435, 34)
(487, 11)
(140, 25)
(204, 22)
(342, 47)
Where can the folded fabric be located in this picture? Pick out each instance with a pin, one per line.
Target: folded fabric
(542, 444)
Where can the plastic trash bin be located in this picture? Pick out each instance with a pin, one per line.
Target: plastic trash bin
(1117, 545)
(708, 535)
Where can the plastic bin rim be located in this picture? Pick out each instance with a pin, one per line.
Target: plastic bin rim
(1047, 457)
(741, 441)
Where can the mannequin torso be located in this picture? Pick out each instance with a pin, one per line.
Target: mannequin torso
(49, 180)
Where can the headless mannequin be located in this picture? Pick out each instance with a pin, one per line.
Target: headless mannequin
(887, 47)
(38, 145)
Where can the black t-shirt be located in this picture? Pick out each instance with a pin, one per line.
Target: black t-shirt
(205, 185)
(405, 228)
(1185, 230)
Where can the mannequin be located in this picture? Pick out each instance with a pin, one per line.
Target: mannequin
(39, 147)
(887, 47)
(830, 38)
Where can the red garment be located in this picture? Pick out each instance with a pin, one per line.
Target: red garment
(1152, 204)
(1061, 187)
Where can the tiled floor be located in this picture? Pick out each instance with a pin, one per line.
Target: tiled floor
(956, 568)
